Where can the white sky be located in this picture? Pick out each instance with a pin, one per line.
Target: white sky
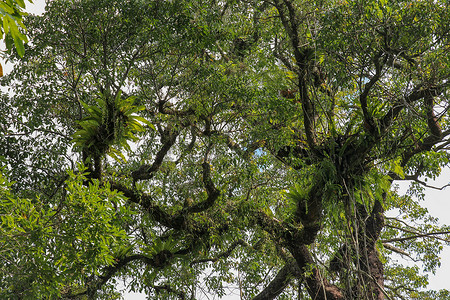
(437, 202)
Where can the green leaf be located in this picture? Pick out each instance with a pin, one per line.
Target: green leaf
(397, 169)
(21, 3)
(116, 155)
(6, 24)
(6, 8)
(18, 38)
(145, 121)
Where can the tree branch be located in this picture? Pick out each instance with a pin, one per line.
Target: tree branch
(211, 190)
(280, 282)
(420, 235)
(168, 139)
(395, 249)
(363, 97)
(158, 261)
(224, 254)
(415, 178)
(318, 287)
(158, 288)
(417, 94)
(289, 19)
(146, 202)
(295, 239)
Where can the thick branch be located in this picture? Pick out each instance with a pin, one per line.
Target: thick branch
(363, 97)
(309, 212)
(144, 172)
(417, 94)
(364, 253)
(211, 190)
(290, 24)
(146, 202)
(295, 239)
(176, 220)
(375, 222)
(318, 287)
(289, 19)
(372, 263)
(158, 261)
(280, 282)
(166, 108)
(308, 113)
(432, 120)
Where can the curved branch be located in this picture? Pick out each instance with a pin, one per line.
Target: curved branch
(168, 138)
(363, 97)
(296, 240)
(224, 254)
(146, 202)
(95, 285)
(280, 282)
(318, 287)
(211, 190)
(176, 220)
(159, 260)
(417, 94)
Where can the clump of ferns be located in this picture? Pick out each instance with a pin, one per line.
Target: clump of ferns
(108, 127)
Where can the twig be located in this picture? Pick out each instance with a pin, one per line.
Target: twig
(431, 234)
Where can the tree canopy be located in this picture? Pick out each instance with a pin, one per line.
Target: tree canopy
(197, 148)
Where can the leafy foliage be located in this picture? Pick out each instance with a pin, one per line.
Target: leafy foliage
(12, 29)
(107, 124)
(59, 243)
(255, 148)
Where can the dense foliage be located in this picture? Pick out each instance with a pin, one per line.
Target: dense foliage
(12, 28)
(196, 149)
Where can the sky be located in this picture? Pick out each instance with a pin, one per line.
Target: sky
(436, 201)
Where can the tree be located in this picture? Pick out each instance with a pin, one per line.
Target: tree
(193, 146)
